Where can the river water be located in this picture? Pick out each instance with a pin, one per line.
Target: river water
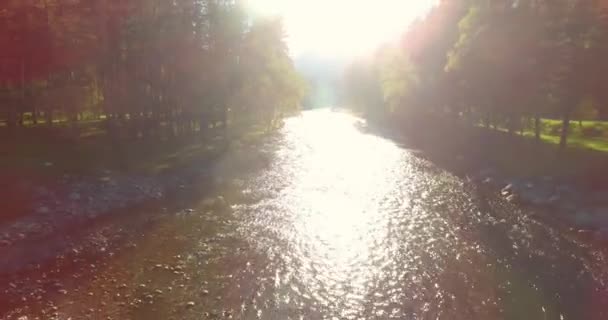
(338, 224)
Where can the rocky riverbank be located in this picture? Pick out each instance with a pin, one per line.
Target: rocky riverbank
(54, 213)
(580, 208)
(55, 204)
(62, 212)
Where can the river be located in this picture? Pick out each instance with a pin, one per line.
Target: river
(338, 223)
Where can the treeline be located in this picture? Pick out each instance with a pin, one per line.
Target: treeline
(499, 63)
(143, 68)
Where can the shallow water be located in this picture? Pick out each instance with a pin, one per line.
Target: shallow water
(338, 224)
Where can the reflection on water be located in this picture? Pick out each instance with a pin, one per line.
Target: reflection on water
(339, 225)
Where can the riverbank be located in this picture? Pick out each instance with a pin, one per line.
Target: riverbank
(569, 186)
(47, 204)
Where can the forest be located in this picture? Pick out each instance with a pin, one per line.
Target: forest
(527, 66)
(137, 69)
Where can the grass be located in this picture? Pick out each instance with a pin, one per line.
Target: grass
(466, 150)
(87, 150)
(42, 152)
(577, 137)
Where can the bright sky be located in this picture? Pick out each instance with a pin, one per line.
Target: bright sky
(342, 28)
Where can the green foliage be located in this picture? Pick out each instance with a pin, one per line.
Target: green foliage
(498, 62)
(397, 76)
(148, 67)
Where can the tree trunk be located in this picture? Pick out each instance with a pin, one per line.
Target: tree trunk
(537, 125)
(563, 140)
(35, 115)
(12, 115)
(49, 117)
(510, 125)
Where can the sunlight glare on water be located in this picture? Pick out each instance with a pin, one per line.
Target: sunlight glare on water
(333, 201)
(349, 225)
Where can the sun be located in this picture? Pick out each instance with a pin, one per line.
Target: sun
(341, 28)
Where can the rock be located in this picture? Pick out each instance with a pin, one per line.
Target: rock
(488, 180)
(555, 198)
(74, 196)
(598, 197)
(48, 164)
(42, 210)
(42, 191)
(220, 202)
(508, 187)
(208, 202)
(5, 243)
(238, 183)
(486, 172)
(512, 198)
(190, 304)
(583, 219)
(536, 196)
(57, 285)
(601, 235)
